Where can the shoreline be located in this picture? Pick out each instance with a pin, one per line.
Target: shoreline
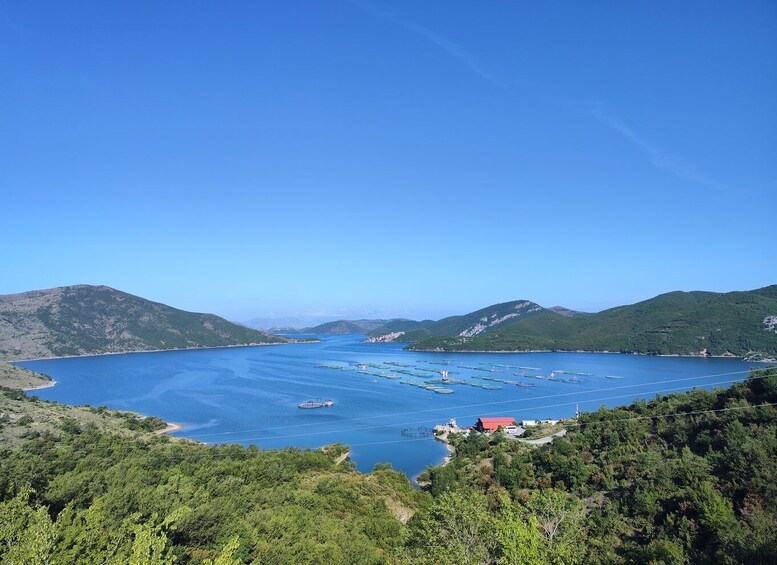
(49, 384)
(171, 427)
(447, 459)
(442, 463)
(168, 429)
(134, 351)
(684, 355)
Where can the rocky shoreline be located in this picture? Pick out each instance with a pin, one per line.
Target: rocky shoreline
(290, 342)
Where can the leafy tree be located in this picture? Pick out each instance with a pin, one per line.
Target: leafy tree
(27, 534)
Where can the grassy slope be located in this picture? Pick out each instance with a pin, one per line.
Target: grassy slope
(682, 323)
(22, 417)
(19, 378)
(96, 319)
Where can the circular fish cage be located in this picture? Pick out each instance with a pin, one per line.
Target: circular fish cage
(418, 432)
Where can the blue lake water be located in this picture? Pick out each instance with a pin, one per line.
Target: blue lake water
(249, 395)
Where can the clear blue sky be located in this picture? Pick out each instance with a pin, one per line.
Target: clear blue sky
(404, 158)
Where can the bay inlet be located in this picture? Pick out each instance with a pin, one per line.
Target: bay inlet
(250, 395)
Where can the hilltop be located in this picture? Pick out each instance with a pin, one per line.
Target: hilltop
(343, 327)
(85, 319)
(475, 323)
(340, 327)
(677, 323)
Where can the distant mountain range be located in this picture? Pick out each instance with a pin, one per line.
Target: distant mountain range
(343, 327)
(676, 323)
(84, 319)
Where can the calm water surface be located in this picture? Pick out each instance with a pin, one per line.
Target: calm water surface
(249, 395)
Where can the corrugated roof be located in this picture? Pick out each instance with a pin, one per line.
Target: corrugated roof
(494, 423)
(498, 420)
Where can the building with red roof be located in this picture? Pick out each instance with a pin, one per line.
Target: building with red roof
(492, 424)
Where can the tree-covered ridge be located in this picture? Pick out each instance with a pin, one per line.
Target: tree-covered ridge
(677, 323)
(685, 478)
(83, 319)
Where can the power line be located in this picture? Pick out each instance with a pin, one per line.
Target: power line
(675, 414)
(454, 408)
(212, 451)
(395, 424)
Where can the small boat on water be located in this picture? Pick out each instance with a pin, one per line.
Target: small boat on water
(614, 377)
(318, 403)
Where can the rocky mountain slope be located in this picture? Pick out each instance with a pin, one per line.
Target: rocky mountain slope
(84, 319)
(469, 325)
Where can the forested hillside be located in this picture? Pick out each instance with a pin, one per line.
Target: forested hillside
(677, 323)
(685, 478)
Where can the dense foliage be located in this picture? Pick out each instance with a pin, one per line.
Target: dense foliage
(684, 478)
(91, 497)
(683, 323)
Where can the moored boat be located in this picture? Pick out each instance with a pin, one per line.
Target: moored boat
(315, 404)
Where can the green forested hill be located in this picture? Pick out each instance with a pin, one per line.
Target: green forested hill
(682, 323)
(684, 478)
(84, 319)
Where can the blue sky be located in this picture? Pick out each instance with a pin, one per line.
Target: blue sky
(407, 158)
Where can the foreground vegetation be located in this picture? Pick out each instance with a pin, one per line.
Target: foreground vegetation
(686, 478)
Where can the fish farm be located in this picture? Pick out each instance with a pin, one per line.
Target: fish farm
(421, 431)
(437, 379)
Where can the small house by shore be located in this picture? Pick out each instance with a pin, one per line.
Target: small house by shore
(493, 424)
